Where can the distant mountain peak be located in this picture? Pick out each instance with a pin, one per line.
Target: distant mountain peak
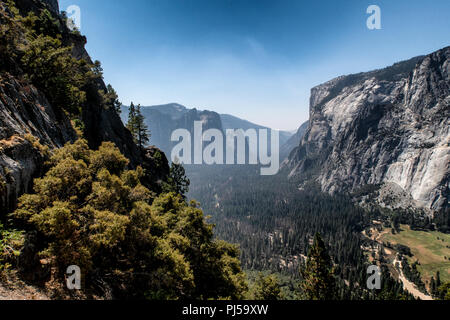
(163, 119)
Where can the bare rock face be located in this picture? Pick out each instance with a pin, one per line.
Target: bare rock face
(28, 124)
(389, 127)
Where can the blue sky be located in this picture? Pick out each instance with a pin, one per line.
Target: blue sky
(256, 59)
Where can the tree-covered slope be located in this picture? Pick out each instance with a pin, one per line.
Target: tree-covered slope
(88, 195)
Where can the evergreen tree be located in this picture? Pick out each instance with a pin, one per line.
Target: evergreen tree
(444, 291)
(143, 135)
(97, 68)
(318, 279)
(178, 178)
(136, 125)
(438, 279)
(90, 211)
(267, 288)
(111, 99)
(131, 124)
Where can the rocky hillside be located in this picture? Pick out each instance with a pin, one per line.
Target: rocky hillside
(388, 128)
(30, 125)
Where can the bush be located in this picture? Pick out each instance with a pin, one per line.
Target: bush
(52, 69)
(94, 213)
(10, 243)
(267, 288)
(404, 250)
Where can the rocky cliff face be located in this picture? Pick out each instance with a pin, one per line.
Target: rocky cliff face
(388, 127)
(53, 5)
(27, 123)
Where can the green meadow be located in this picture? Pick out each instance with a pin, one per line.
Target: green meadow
(431, 249)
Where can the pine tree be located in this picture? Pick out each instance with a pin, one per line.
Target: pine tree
(444, 291)
(433, 288)
(267, 288)
(318, 279)
(178, 178)
(112, 99)
(136, 125)
(143, 135)
(91, 211)
(131, 124)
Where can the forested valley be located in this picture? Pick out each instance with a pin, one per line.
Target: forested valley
(274, 222)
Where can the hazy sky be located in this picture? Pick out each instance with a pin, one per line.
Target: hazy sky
(256, 59)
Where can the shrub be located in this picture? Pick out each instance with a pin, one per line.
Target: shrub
(52, 69)
(93, 212)
(44, 150)
(10, 243)
(267, 288)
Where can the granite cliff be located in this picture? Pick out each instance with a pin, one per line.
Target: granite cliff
(388, 128)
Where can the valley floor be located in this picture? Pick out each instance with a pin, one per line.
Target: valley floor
(430, 249)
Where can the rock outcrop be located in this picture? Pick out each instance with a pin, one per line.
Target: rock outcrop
(27, 124)
(389, 128)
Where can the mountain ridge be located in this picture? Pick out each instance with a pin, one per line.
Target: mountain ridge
(163, 119)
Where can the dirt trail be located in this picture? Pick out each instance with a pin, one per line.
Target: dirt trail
(12, 290)
(408, 285)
